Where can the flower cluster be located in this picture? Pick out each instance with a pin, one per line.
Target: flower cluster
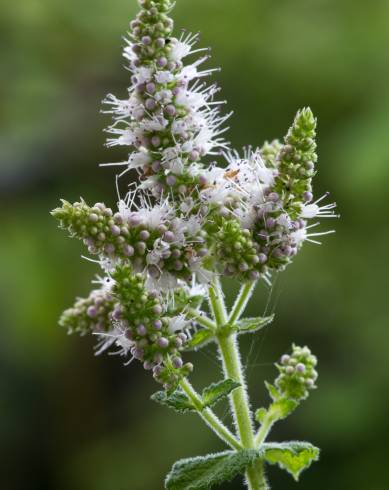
(155, 338)
(92, 314)
(187, 221)
(167, 249)
(297, 373)
(167, 121)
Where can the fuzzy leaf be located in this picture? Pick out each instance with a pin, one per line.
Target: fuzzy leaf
(176, 400)
(217, 391)
(278, 410)
(283, 407)
(251, 325)
(273, 392)
(204, 472)
(260, 415)
(196, 300)
(294, 456)
(200, 339)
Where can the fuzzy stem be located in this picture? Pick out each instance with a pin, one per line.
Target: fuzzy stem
(233, 369)
(201, 319)
(240, 407)
(264, 430)
(216, 301)
(209, 416)
(241, 301)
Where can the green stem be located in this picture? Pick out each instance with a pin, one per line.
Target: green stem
(209, 416)
(233, 369)
(241, 301)
(264, 430)
(201, 319)
(240, 407)
(216, 302)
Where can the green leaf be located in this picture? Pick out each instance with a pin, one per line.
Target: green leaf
(196, 300)
(200, 339)
(217, 391)
(251, 325)
(283, 407)
(204, 472)
(294, 456)
(176, 400)
(278, 410)
(273, 392)
(260, 415)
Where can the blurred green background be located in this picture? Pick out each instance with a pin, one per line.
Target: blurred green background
(70, 421)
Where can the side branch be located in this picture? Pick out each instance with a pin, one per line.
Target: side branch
(209, 417)
(201, 319)
(241, 301)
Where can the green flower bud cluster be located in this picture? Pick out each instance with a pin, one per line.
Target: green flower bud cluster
(184, 298)
(297, 159)
(150, 29)
(143, 317)
(269, 153)
(280, 228)
(275, 233)
(103, 232)
(236, 251)
(92, 314)
(297, 373)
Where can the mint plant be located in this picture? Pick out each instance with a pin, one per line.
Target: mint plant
(189, 221)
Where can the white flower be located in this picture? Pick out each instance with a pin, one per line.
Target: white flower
(188, 73)
(138, 159)
(179, 49)
(164, 96)
(117, 337)
(163, 77)
(144, 74)
(126, 137)
(299, 236)
(157, 123)
(312, 210)
(190, 100)
(121, 108)
(178, 323)
(176, 166)
(155, 216)
(165, 283)
(129, 54)
(284, 221)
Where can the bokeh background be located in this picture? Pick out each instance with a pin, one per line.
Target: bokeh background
(71, 421)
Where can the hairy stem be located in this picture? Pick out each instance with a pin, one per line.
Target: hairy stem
(201, 319)
(209, 416)
(233, 369)
(240, 406)
(264, 430)
(241, 301)
(216, 302)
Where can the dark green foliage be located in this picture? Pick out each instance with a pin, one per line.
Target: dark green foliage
(218, 391)
(199, 339)
(205, 472)
(176, 400)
